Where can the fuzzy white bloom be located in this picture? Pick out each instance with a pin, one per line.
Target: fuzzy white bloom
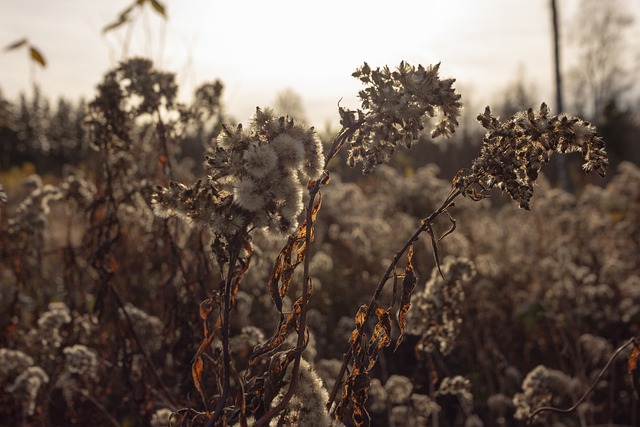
(248, 195)
(289, 150)
(459, 386)
(264, 169)
(398, 389)
(13, 360)
(541, 387)
(260, 160)
(307, 406)
(230, 138)
(55, 317)
(314, 161)
(292, 205)
(28, 383)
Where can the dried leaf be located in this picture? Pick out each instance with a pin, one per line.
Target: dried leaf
(360, 387)
(381, 336)
(408, 285)
(283, 266)
(196, 371)
(123, 19)
(361, 316)
(634, 372)
(278, 338)
(453, 226)
(16, 45)
(434, 246)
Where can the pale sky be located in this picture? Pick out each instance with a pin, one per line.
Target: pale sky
(258, 48)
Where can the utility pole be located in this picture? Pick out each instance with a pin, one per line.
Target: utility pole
(561, 161)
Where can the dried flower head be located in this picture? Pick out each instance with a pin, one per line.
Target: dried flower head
(13, 361)
(514, 151)
(399, 389)
(81, 360)
(459, 386)
(395, 107)
(435, 314)
(307, 407)
(132, 89)
(161, 417)
(148, 327)
(256, 177)
(55, 317)
(541, 387)
(27, 385)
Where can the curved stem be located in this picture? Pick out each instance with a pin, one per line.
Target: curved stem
(635, 341)
(338, 142)
(226, 357)
(426, 224)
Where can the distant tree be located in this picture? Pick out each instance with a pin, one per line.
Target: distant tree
(600, 74)
(620, 128)
(289, 102)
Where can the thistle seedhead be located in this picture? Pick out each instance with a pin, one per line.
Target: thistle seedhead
(514, 151)
(256, 178)
(395, 107)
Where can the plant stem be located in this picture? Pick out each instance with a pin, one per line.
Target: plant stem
(426, 223)
(338, 142)
(235, 247)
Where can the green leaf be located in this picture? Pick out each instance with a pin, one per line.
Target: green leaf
(37, 56)
(16, 45)
(159, 7)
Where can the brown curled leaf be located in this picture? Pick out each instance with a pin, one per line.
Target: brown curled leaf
(408, 285)
(634, 372)
(196, 371)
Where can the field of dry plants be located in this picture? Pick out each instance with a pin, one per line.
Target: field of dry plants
(250, 285)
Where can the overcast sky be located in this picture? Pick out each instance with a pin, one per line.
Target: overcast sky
(261, 47)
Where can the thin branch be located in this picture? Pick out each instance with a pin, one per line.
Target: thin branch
(143, 350)
(225, 330)
(426, 225)
(338, 142)
(635, 341)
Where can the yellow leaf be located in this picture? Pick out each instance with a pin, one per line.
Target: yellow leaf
(37, 56)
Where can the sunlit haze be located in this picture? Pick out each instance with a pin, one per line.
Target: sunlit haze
(259, 48)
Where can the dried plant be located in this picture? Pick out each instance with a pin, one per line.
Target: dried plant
(264, 243)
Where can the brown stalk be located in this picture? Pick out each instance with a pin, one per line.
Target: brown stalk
(635, 341)
(425, 226)
(143, 350)
(338, 142)
(226, 357)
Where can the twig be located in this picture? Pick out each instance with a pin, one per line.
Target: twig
(635, 341)
(426, 225)
(143, 350)
(225, 330)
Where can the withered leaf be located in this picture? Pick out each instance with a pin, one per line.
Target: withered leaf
(196, 371)
(634, 372)
(408, 285)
